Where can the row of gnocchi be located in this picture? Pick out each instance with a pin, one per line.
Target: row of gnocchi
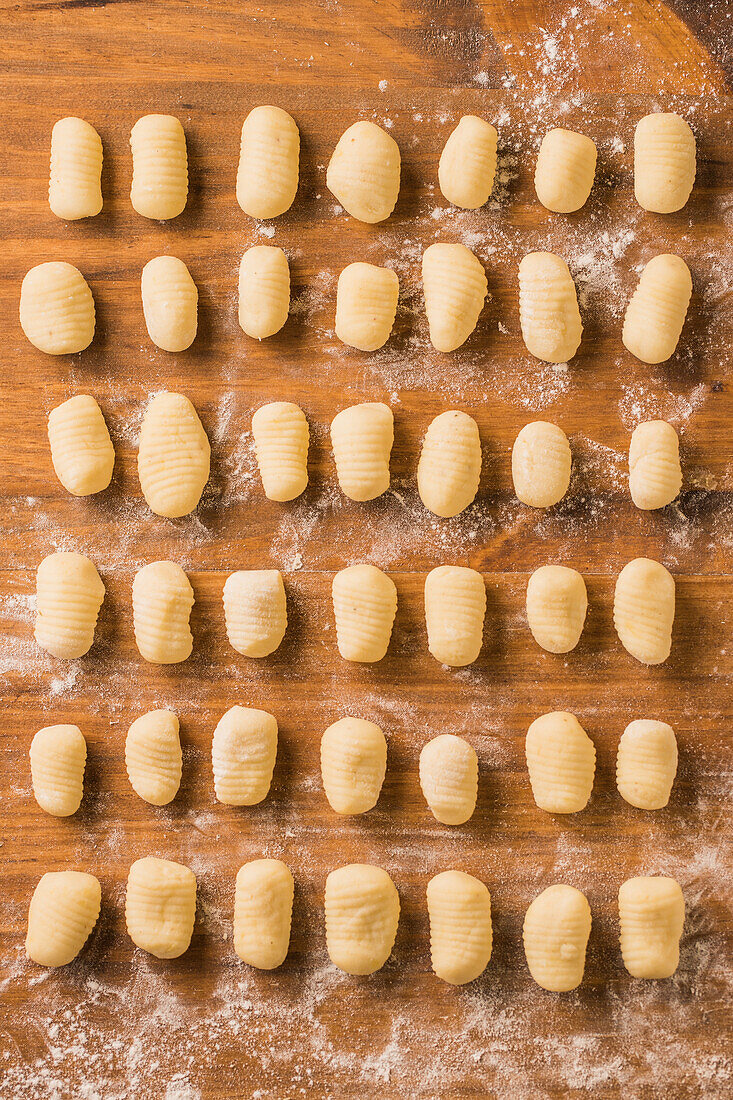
(362, 910)
(364, 171)
(58, 316)
(70, 592)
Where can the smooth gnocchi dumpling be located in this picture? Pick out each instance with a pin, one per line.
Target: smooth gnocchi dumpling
(455, 288)
(174, 456)
(267, 176)
(58, 758)
(449, 778)
(364, 606)
(159, 167)
(362, 913)
(264, 291)
(541, 463)
(556, 930)
(81, 450)
(162, 599)
(75, 181)
(651, 913)
(459, 908)
(449, 468)
(468, 163)
(455, 605)
(63, 911)
(362, 438)
(170, 303)
(69, 594)
(557, 602)
(353, 765)
(263, 910)
(646, 764)
(281, 437)
(566, 167)
(561, 760)
(364, 172)
(655, 475)
(664, 162)
(255, 611)
(160, 906)
(643, 610)
(243, 756)
(57, 309)
(153, 757)
(657, 310)
(548, 308)
(366, 304)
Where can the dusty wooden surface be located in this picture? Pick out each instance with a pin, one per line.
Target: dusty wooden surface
(118, 1023)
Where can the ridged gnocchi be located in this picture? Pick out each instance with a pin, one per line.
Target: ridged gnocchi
(561, 760)
(63, 912)
(652, 917)
(459, 908)
(269, 155)
(366, 304)
(363, 173)
(557, 602)
(449, 468)
(664, 162)
(170, 303)
(57, 309)
(455, 288)
(655, 474)
(548, 308)
(81, 450)
(541, 464)
(153, 757)
(281, 438)
(69, 594)
(75, 179)
(364, 607)
(657, 310)
(449, 778)
(362, 913)
(353, 765)
(263, 909)
(255, 610)
(264, 291)
(646, 764)
(160, 906)
(58, 758)
(566, 168)
(243, 755)
(159, 167)
(643, 610)
(455, 605)
(556, 930)
(162, 598)
(362, 437)
(174, 456)
(468, 163)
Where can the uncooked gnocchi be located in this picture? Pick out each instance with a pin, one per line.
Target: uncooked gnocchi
(243, 755)
(58, 758)
(267, 176)
(541, 464)
(75, 180)
(362, 913)
(651, 913)
(657, 310)
(366, 304)
(362, 438)
(566, 167)
(353, 765)
(459, 908)
(160, 906)
(281, 437)
(153, 757)
(364, 607)
(69, 594)
(557, 602)
(455, 288)
(264, 291)
(81, 450)
(57, 309)
(556, 930)
(255, 611)
(449, 468)
(548, 308)
(455, 605)
(162, 599)
(159, 167)
(655, 475)
(646, 764)
(561, 760)
(449, 778)
(643, 610)
(468, 163)
(174, 456)
(664, 162)
(263, 910)
(170, 303)
(63, 911)
(364, 172)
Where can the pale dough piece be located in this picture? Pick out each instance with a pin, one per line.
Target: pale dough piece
(153, 757)
(455, 288)
(81, 450)
(159, 167)
(657, 310)
(174, 456)
(449, 468)
(652, 916)
(63, 911)
(281, 437)
(468, 163)
(664, 162)
(170, 303)
(459, 908)
(362, 438)
(353, 765)
(263, 910)
(58, 758)
(160, 906)
(561, 760)
(362, 913)
(57, 309)
(364, 606)
(264, 291)
(255, 610)
(75, 180)
(243, 756)
(162, 599)
(646, 764)
(643, 610)
(566, 168)
(548, 308)
(69, 594)
(655, 474)
(556, 930)
(541, 464)
(366, 304)
(267, 175)
(449, 778)
(455, 605)
(364, 172)
(557, 602)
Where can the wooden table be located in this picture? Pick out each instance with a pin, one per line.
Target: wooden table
(118, 1023)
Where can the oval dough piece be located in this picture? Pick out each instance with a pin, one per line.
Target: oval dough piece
(69, 594)
(81, 450)
(652, 916)
(449, 468)
(566, 168)
(455, 288)
(557, 603)
(459, 907)
(556, 930)
(364, 172)
(160, 906)
(243, 756)
(655, 474)
(548, 308)
(364, 606)
(455, 605)
(664, 162)
(643, 610)
(75, 180)
(449, 778)
(646, 764)
(561, 760)
(657, 310)
(255, 610)
(170, 303)
(174, 456)
(353, 765)
(153, 757)
(269, 155)
(263, 910)
(362, 438)
(541, 464)
(57, 309)
(468, 163)
(63, 912)
(162, 599)
(362, 913)
(264, 291)
(159, 167)
(58, 758)
(366, 304)
(281, 437)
